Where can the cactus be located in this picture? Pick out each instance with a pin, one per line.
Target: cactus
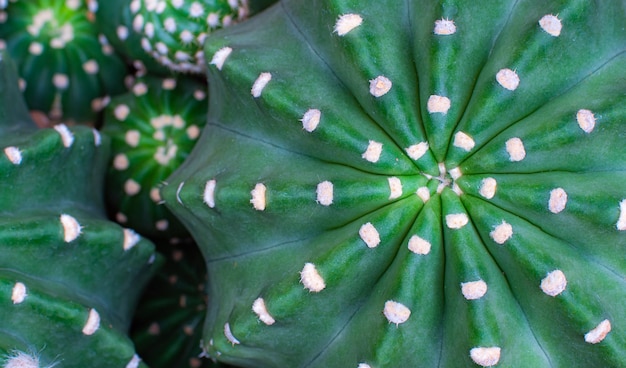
(414, 184)
(167, 329)
(170, 32)
(68, 69)
(69, 278)
(153, 127)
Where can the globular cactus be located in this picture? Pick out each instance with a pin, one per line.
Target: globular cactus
(414, 184)
(170, 32)
(167, 329)
(68, 69)
(153, 127)
(69, 278)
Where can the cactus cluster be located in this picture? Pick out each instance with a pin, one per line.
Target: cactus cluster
(414, 184)
(69, 277)
(67, 67)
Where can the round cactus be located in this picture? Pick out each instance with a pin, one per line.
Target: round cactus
(68, 69)
(69, 278)
(167, 329)
(414, 184)
(153, 127)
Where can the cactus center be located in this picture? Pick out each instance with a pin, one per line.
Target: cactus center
(45, 22)
(446, 178)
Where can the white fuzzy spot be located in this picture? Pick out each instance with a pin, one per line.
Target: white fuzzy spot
(488, 187)
(131, 238)
(311, 119)
(621, 222)
(168, 83)
(423, 193)
(220, 57)
(19, 293)
(346, 23)
(132, 137)
(134, 362)
(60, 81)
(131, 187)
(455, 173)
(396, 312)
(122, 32)
(364, 365)
(395, 187)
(508, 79)
(260, 83)
(97, 137)
(71, 228)
(14, 155)
(456, 220)
(419, 245)
(91, 67)
(258, 197)
(35, 48)
(140, 89)
(369, 235)
(199, 94)
(485, 357)
(586, 120)
(379, 86)
(463, 141)
(208, 196)
(120, 161)
(162, 225)
(515, 149)
(438, 104)
(501, 233)
(20, 359)
(229, 335)
(551, 24)
(373, 151)
(554, 283)
(261, 310)
(416, 151)
(474, 289)
(121, 218)
(325, 193)
(92, 324)
(444, 27)
(558, 200)
(599, 332)
(66, 135)
(155, 195)
(311, 279)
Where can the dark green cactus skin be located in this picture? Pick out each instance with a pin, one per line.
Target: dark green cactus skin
(168, 326)
(68, 69)
(69, 278)
(153, 127)
(374, 188)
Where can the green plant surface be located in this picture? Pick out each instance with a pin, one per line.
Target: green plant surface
(153, 127)
(69, 278)
(414, 184)
(68, 69)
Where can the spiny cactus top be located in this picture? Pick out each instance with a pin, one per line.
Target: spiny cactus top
(414, 184)
(172, 32)
(69, 278)
(67, 68)
(153, 127)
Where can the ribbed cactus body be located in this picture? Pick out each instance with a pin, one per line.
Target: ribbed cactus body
(69, 278)
(169, 322)
(414, 184)
(68, 69)
(153, 127)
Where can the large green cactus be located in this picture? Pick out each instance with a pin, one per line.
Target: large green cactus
(68, 69)
(69, 278)
(414, 184)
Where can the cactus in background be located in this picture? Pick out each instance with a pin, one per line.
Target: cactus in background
(153, 127)
(69, 278)
(170, 32)
(68, 70)
(167, 329)
(414, 184)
